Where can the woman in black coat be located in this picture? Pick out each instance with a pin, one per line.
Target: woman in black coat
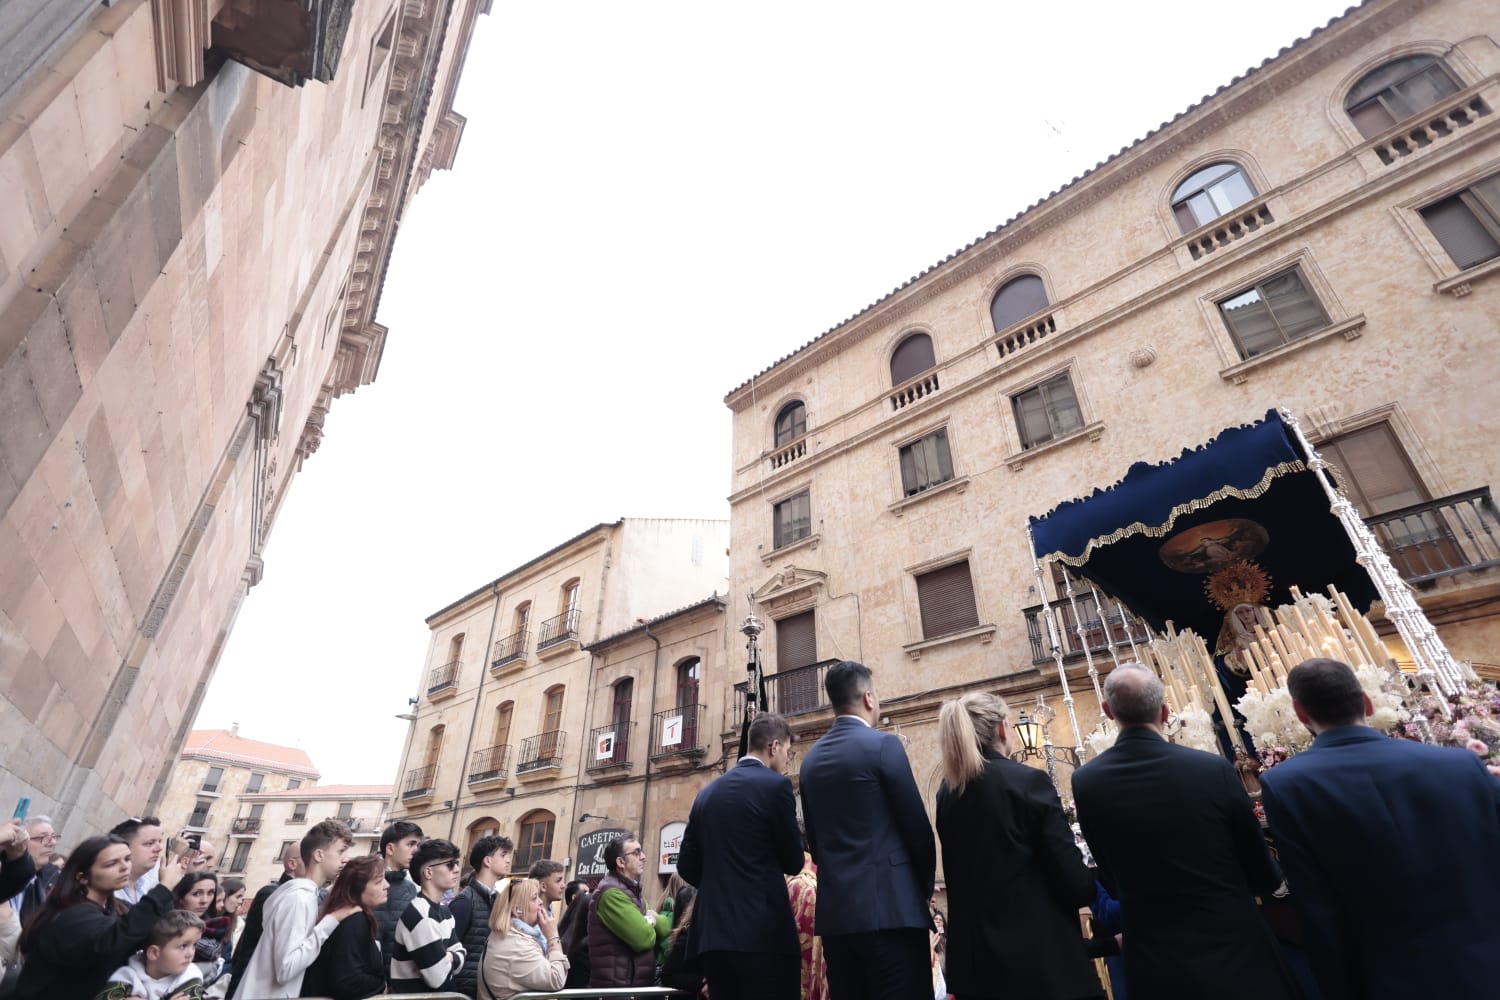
(83, 933)
(1016, 880)
(348, 966)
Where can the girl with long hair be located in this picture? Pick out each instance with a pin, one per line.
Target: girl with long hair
(574, 932)
(83, 933)
(349, 966)
(513, 960)
(681, 970)
(1016, 879)
(196, 894)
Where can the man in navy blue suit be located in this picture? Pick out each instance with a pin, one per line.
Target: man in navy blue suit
(741, 839)
(1391, 850)
(869, 835)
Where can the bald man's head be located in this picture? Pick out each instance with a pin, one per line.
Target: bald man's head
(1134, 695)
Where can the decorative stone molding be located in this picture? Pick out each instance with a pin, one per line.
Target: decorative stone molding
(1143, 357)
(984, 633)
(810, 542)
(1089, 432)
(181, 31)
(1350, 329)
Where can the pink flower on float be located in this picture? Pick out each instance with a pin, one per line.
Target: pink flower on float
(1493, 769)
(1478, 746)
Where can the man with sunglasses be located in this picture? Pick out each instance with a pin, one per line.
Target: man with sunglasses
(623, 934)
(427, 951)
(741, 842)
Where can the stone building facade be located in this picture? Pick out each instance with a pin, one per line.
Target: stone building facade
(197, 208)
(512, 697)
(214, 771)
(1322, 234)
(266, 822)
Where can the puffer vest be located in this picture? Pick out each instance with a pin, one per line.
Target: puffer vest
(466, 980)
(611, 962)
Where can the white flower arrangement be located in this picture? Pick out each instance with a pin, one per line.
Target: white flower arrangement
(1390, 709)
(1194, 728)
(1271, 721)
(1101, 739)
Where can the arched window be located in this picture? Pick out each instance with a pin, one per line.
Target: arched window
(689, 673)
(1398, 90)
(570, 592)
(624, 695)
(1210, 193)
(912, 357)
(456, 648)
(791, 423)
(552, 713)
(1017, 299)
(487, 826)
(504, 715)
(523, 616)
(535, 840)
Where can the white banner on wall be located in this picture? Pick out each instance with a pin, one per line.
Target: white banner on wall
(604, 746)
(671, 731)
(671, 843)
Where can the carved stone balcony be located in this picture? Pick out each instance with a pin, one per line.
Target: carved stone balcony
(245, 826)
(1021, 337)
(489, 768)
(788, 453)
(1431, 128)
(914, 390)
(1238, 224)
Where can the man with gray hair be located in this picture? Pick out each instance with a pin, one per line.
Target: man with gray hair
(43, 842)
(1174, 830)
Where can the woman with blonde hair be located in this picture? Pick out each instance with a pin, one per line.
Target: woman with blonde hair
(1015, 879)
(514, 960)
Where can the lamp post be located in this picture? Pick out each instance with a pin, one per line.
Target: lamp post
(1036, 740)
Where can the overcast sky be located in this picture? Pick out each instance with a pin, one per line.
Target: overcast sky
(653, 202)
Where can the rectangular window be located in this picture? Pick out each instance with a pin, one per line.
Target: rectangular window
(1467, 224)
(796, 641)
(552, 718)
(200, 813)
(346, 809)
(1276, 311)
(792, 519)
(281, 851)
(256, 780)
(299, 812)
(1047, 411)
(946, 599)
(292, 784)
(380, 52)
(1376, 472)
(241, 856)
(212, 780)
(926, 463)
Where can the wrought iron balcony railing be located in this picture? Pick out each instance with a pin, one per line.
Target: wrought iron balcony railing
(790, 692)
(1442, 537)
(442, 678)
(559, 629)
(676, 730)
(419, 782)
(541, 751)
(510, 649)
(246, 824)
(609, 746)
(490, 764)
(1100, 632)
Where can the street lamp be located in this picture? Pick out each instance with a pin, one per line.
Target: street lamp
(1030, 734)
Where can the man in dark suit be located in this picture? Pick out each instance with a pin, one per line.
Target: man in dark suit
(869, 835)
(1175, 830)
(741, 839)
(1391, 850)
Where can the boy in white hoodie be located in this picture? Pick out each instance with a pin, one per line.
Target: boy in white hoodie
(292, 934)
(164, 970)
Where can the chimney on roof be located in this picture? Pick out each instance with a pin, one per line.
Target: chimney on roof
(234, 729)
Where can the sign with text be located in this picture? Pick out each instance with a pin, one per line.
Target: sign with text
(591, 852)
(671, 844)
(671, 731)
(604, 746)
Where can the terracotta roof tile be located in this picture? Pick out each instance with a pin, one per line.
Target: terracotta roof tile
(221, 744)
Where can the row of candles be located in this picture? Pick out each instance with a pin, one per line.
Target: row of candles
(1302, 630)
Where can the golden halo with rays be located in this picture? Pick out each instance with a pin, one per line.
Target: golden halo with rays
(1241, 582)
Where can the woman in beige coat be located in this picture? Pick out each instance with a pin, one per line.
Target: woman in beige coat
(523, 953)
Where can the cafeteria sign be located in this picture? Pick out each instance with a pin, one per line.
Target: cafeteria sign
(591, 852)
(671, 845)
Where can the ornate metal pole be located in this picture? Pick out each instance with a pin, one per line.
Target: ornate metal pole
(1057, 653)
(755, 686)
(1082, 634)
(1434, 663)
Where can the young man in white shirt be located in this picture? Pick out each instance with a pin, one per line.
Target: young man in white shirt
(292, 934)
(427, 951)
